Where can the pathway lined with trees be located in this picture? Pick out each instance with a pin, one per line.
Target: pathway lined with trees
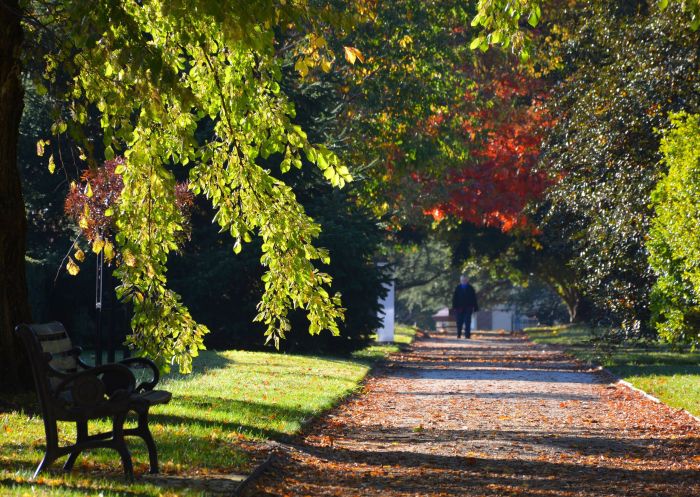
(496, 415)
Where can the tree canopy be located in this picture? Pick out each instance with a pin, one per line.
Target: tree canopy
(178, 83)
(540, 165)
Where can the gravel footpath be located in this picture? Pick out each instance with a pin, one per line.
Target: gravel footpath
(492, 416)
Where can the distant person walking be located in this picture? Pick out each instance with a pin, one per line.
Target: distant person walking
(463, 304)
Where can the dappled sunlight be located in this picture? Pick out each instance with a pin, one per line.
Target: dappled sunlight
(230, 399)
(492, 416)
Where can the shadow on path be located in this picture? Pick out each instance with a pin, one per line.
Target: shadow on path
(492, 416)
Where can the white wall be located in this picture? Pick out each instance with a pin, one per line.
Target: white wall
(502, 320)
(386, 332)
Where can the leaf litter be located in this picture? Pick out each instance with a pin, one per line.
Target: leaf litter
(491, 416)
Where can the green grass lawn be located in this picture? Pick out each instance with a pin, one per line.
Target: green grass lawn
(231, 397)
(670, 375)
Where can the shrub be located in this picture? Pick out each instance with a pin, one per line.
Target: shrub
(674, 244)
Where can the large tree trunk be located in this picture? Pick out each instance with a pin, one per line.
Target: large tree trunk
(14, 305)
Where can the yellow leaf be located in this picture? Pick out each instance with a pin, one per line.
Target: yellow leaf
(88, 190)
(40, 147)
(326, 65)
(83, 222)
(98, 245)
(351, 54)
(79, 255)
(52, 164)
(72, 267)
(129, 259)
(109, 251)
(319, 42)
(301, 67)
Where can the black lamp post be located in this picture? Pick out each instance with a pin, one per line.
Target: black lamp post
(98, 306)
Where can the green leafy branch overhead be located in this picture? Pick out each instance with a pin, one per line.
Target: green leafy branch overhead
(159, 72)
(507, 23)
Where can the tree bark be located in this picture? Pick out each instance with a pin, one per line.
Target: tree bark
(14, 304)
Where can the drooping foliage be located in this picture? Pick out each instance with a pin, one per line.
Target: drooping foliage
(157, 73)
(674, 244)
(222, 291)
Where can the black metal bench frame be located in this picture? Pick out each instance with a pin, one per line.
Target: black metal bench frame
(108, 391)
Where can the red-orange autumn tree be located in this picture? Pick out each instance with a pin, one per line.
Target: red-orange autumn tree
(445, 130)
(493, 187)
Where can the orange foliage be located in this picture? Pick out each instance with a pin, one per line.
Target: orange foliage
(493, 188)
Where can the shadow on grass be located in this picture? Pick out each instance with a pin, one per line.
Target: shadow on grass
(655, 369)
(207, 361)
(31, 486)
(244, 410)
(201, 432)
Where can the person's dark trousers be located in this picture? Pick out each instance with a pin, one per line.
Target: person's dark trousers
(464, 320)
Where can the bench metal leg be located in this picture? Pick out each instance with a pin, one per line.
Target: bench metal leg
(78, 447)
(145, 433)
(52, 452)
(45, 463)
(119, 444)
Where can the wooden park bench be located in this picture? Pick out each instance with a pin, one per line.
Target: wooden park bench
(71, 390)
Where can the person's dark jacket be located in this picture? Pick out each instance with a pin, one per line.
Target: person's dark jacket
(464, 299)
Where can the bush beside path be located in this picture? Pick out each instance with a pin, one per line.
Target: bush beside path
(493, 416)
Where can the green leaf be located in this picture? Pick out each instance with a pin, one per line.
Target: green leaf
(533, 19)
(40, 89)
(476, 42)
(321, 161)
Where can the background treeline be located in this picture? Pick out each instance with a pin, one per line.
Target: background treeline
(616, 231)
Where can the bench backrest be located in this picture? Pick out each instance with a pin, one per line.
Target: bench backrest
(51, 338)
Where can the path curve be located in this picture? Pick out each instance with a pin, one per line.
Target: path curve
(492, 416)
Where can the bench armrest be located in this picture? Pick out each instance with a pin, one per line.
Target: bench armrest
(89, 387)
(141, 363)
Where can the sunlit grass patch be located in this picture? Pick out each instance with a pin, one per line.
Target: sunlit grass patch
(672, 376)
(231, 397)
(403, 335)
